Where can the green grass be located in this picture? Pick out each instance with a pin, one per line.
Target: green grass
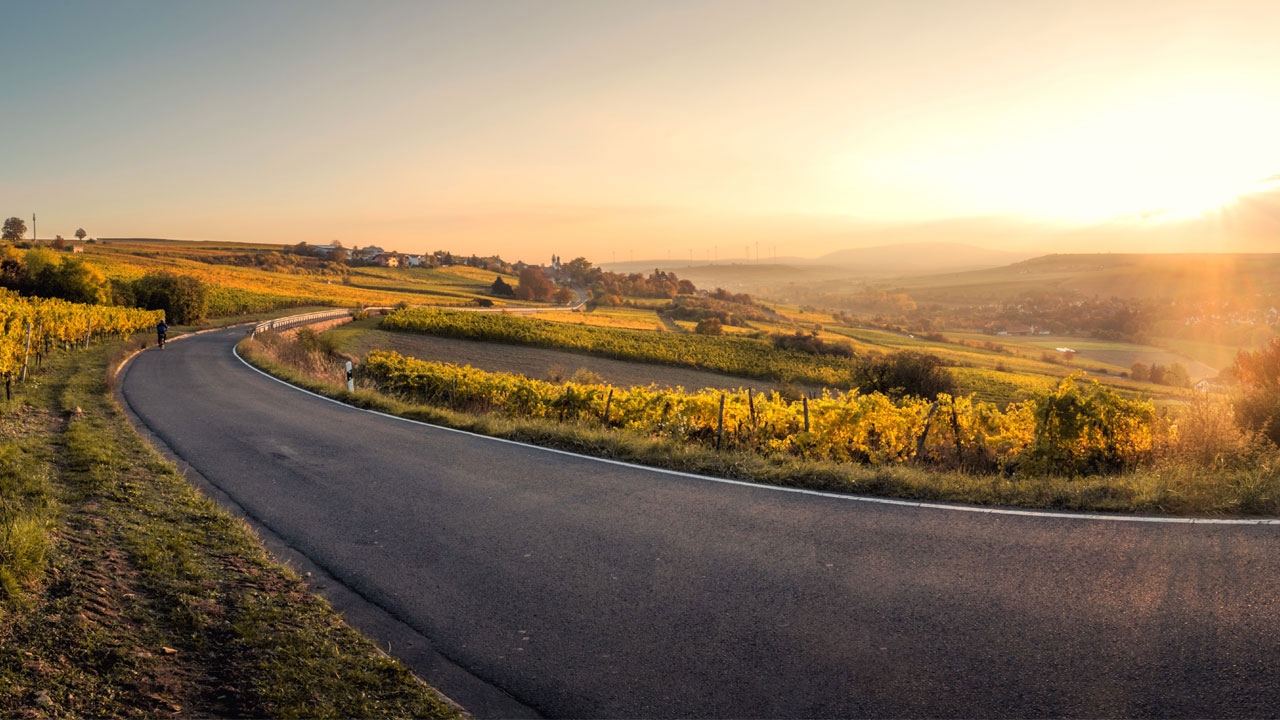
(136, 595)
(1174, 487)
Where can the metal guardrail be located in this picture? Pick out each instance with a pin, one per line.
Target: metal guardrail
(293, 321)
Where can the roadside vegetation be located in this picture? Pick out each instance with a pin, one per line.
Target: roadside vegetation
(1079, 446)
(125, 592)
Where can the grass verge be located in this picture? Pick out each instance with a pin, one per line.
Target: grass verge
(1173, 489)
(125, 592)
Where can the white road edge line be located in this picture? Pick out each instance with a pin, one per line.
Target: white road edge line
(780, 488)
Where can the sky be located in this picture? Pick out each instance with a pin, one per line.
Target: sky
(658, 129)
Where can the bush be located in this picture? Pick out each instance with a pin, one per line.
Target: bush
(183, 298)
(906, 373)
(811, 343)
(710, 326)
(583, 376)
(1209, 435)
(1258, 407)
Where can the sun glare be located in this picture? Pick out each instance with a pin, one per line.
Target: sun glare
(1173, 155)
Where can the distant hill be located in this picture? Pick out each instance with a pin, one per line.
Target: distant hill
(1185, 275)
(918, 258)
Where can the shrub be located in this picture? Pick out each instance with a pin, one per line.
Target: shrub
(906, 373)
(709, 326)
(583, 376)
(1258, 407)
(1208, 434)
(811, 343)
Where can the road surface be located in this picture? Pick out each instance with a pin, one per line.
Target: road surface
(576, 588)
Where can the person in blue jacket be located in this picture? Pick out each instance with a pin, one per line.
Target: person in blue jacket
(162, 330)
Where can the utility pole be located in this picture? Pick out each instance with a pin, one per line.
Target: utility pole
(34, 236)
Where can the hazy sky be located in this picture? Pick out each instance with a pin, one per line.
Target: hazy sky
(645, 128)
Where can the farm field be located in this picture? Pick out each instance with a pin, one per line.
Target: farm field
(989, 375)
(739, 356)
(1117, 357)
(360, 337)
(237, 289)
(615, 317)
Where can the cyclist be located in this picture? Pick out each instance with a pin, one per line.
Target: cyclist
(162, 330)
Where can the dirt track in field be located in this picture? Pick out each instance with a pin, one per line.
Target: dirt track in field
(542, 363)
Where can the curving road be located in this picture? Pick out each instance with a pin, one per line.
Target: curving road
(572, 587)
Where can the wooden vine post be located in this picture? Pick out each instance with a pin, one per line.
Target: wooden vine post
(27, 354)
(607, 404)
(88, 328)
(720, 425)
(924, 434)
(805, 399)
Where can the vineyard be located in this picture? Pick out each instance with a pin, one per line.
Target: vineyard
(1067, 430)
(741, 356)
(34, 326)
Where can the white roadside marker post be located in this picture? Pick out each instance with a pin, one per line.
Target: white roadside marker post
(351, 384)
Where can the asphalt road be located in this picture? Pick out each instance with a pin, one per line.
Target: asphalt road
(585, 589)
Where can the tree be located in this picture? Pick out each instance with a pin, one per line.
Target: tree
(14, 229)
(339, 254)
(564, 295)
(43, 273)
(1157, 374)
(534, 284)
(501, 288)
(81, 234)
(1140, 372)
(578, 270)
(183, 298)
(58, 243)
(80, 282)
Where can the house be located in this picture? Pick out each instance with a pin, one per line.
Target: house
(368, 253)
(325, 249)
(1210, 385)
(77, 248)
(412, 261)
(386, 259)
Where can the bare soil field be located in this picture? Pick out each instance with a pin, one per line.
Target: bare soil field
(540, 363)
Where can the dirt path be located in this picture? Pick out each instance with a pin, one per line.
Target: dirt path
(541, 363)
